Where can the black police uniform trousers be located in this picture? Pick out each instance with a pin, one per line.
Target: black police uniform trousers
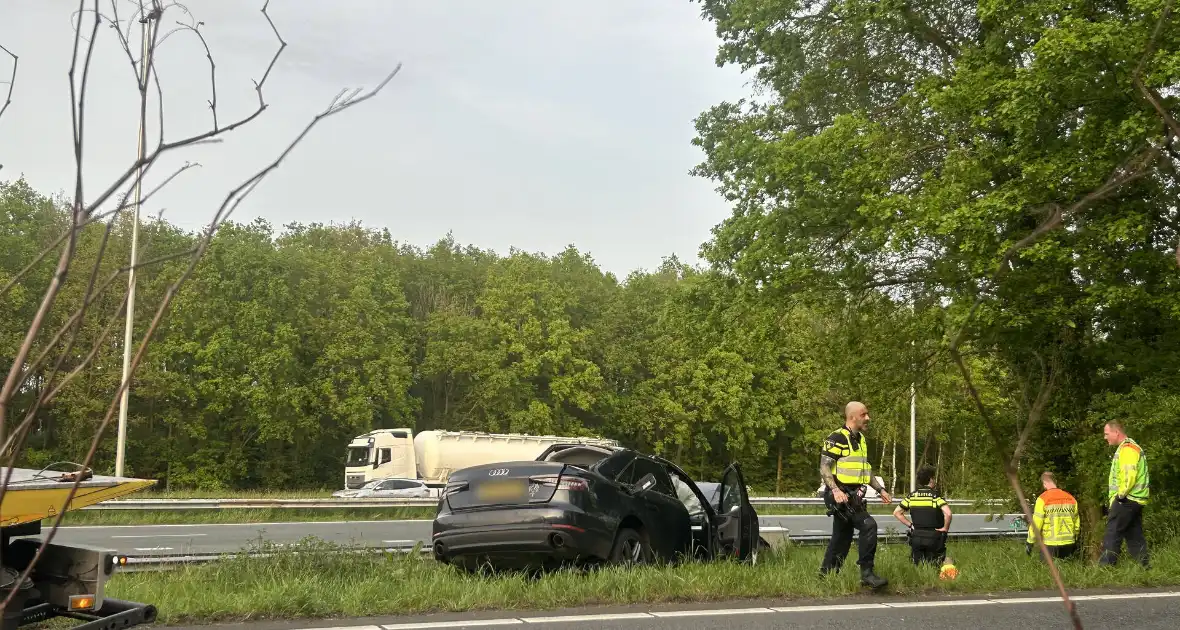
(1124, 521)
(852, 518)
(927, 546)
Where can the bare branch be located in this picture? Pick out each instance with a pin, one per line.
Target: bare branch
(1156, 101)
(195, 29)
(94, 350)
(1036, 409)
(165, 147)
(1149, 93)
(1131, 170)
(1011, 473)
(63, 263)
(231, 202)
(91, 295)
(11, 80)
(83, 213)
(75, 320)
(92, 219)
(73, 326)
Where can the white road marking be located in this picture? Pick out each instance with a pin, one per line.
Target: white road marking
(453, 624)
(814, 531)
(400, 542)
(1091, 598)
(162, 536)
(952, 602)
(516, 621)
(1028, 600)
(800, 609)
(153, 548)
(574, 618)
(711, 612)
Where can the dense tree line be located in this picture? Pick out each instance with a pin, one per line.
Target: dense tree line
(1016, 161)
(284, 345)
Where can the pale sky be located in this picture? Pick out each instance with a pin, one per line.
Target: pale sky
(525, 123)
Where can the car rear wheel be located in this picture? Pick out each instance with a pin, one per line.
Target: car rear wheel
(631, 547)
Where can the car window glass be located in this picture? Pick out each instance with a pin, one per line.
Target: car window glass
(628, 476)
(401, 484)
(730, 492)
(646, 466)
(613, 465)
(386, 455)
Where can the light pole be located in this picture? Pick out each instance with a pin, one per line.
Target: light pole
(913, 438)
(128, 329)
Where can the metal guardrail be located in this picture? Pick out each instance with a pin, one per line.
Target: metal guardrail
(820, 501)
(137, 564)
(352, 503)
(897, 537)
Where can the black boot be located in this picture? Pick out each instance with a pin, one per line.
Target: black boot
(870, 579)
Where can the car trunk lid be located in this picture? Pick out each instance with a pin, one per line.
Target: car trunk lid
(508, 483)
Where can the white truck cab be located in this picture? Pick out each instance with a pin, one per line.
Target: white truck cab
(379, 455)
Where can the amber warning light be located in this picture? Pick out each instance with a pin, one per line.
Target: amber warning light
(81, 602)
(115, 561)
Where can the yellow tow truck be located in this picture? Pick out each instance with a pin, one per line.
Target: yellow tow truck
(68, 579)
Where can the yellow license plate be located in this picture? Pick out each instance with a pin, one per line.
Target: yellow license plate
(513, 490)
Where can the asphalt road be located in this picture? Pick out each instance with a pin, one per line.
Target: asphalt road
(171, 540)
(1144, 610)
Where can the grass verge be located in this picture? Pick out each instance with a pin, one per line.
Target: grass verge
(319, 583)
(288, 515)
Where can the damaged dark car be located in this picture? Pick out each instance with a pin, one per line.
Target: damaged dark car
(583, 504)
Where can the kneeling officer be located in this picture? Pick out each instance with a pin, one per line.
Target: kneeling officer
(929, 521)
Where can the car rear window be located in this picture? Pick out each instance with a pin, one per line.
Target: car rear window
(663, 481)
(613, 465)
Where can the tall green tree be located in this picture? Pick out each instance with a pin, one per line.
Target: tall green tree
(909, 149)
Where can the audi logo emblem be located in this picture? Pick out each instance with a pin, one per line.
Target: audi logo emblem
(499, 472)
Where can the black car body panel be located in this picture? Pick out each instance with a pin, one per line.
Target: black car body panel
(578, 503)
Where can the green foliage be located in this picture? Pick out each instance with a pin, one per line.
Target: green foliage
(905, 149)
(284, 345)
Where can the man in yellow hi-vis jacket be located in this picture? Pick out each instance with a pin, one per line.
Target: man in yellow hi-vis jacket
(845, 470)
(1056, 517)
(1127, 492)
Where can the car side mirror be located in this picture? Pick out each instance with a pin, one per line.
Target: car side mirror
(735, 509)
(646, 482)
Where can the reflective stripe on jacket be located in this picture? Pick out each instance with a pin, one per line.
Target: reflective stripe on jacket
(1128, 473)
(1056, 516)
(852, 457)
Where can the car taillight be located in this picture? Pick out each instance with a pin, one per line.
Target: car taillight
(562, 483)
(453, 487)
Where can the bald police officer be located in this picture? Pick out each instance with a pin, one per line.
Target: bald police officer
(845, 470)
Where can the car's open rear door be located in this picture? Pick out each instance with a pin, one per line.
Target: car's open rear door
(736, 521)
